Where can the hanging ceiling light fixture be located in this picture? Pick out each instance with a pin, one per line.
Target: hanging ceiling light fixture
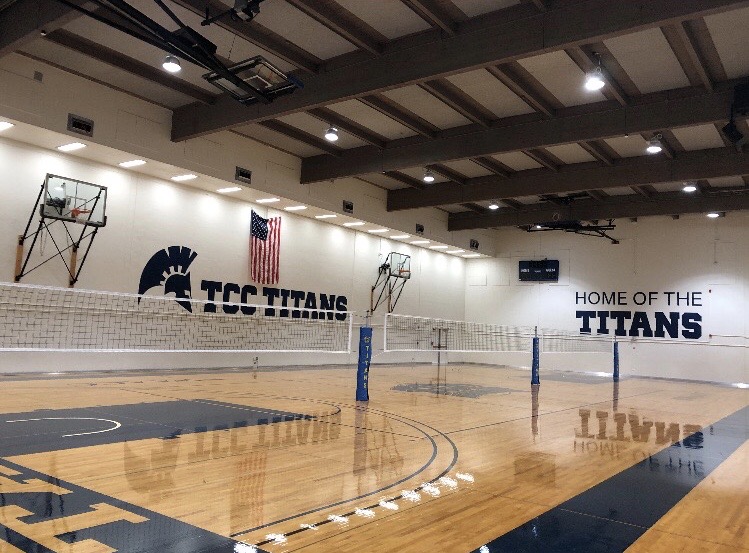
(654, 145)
(428, 175)
(171, 64)
(493, 206)
(689, 187)
(594, 80)
(331, 134)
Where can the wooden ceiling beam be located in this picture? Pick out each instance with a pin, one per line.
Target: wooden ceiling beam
(441, 14)
(614, 207)
(687, 52)
(476, 46)
(301, 136)
(405, 117)
(491, 164)
(580, 177)
(347, 125)
(650, 114)
(24, 20)
(449, 174)
(135, 67)
(344, 23)
(515, 77)
(406, 179)
(447, 92)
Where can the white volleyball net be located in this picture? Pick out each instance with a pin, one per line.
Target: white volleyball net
(409, 333)
(43, 318)
(560, 341)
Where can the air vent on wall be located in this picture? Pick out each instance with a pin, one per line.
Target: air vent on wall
(243, 175)
(474, 245)
(419, 229)
(80, 125)
(348, 207)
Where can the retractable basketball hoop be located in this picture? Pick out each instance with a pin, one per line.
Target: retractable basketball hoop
(69, 202)
(391, 278)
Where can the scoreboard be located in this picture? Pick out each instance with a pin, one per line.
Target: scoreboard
(539, 271)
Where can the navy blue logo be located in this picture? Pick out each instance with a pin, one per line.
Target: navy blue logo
(170, 268)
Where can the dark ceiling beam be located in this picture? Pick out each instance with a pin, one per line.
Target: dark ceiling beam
(492, 165)
(599, 195)
(543, 157)
(513, 204)
(145, 71)
(458, 100)
(405, 117)
(344, 23)
(597, 148)
(347, 125)
(587, 59)
(515, 77)
(442, 14)
(256, 34)
(449, 174)
(301, 136)
(646, 190)
(650, 114)
(541, 5)
(24, 20)
(579, 177)
(406, 179)
(615, 207)
(704, 44)
(476, 46)
(687, 52)
(476, 208)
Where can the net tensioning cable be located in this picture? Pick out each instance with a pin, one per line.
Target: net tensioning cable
(409, 333)
(42, 318)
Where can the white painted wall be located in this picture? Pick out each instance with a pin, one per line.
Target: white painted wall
(657, 254)
(146, 214)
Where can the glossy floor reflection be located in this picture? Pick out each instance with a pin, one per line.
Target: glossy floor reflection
(458, 458)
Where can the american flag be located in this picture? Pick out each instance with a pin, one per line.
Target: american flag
(265, 245)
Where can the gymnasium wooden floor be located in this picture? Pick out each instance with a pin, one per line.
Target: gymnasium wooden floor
(467, 459)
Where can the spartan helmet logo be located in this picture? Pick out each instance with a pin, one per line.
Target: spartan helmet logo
(169, 268)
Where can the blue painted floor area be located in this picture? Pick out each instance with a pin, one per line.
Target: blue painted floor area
(123, 527)
(165, 419)
(611, 516)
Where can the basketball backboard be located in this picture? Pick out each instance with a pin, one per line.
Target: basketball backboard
(74, 201)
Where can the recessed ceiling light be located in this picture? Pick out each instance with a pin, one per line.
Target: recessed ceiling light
(428, 176)
(493, 206)
(4, 126)
(331, 134)
(654, 145)
(455, 251)
(71, 147)
(438, 247)
(229, 189)
(326, 216)
(713, 215)
(181, 178)
(418, 242)
(267, 200)
(471, 255)
(171, 64)
(400, 236)
(133, 163)
(295, 208)
(355, 224)
(378, 230)
(690, 187)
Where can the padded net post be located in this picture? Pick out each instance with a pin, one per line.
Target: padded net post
(41, 318)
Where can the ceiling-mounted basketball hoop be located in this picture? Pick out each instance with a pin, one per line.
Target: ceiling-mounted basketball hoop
(391, 278)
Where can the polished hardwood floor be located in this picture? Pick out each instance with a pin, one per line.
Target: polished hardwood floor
(454, 459)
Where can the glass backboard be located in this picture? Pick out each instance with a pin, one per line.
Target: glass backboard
(74, 201)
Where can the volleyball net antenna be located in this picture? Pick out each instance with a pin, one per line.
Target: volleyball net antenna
(43, 318)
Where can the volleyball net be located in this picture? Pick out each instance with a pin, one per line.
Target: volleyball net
(45, 318)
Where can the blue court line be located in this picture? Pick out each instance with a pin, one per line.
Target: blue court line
(612, 515)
